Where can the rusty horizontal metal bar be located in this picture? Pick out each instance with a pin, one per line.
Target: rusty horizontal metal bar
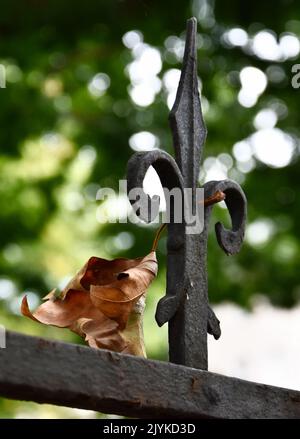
(45, 371)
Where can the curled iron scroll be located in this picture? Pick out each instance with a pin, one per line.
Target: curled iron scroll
(166, 168)
(229, 240)
(171, 178)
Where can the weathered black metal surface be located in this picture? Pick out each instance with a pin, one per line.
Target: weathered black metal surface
(187, 125)
(52, 372)
(185, 305)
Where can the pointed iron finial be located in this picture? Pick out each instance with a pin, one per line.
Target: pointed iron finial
(185, 306)
(188, 128)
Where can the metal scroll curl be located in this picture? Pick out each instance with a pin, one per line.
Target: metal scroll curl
(229, 240)
(171, 178)
(166, 168)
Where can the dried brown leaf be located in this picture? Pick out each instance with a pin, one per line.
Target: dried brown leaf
(117, 299)
(99, 301)
(77, 313)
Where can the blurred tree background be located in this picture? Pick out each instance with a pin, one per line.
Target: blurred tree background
(89, 83)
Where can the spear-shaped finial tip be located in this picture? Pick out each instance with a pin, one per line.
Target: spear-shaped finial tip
(192, 28)
(192, 21)
(186, 119)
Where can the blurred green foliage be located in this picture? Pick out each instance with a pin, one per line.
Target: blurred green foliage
(70, 106)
